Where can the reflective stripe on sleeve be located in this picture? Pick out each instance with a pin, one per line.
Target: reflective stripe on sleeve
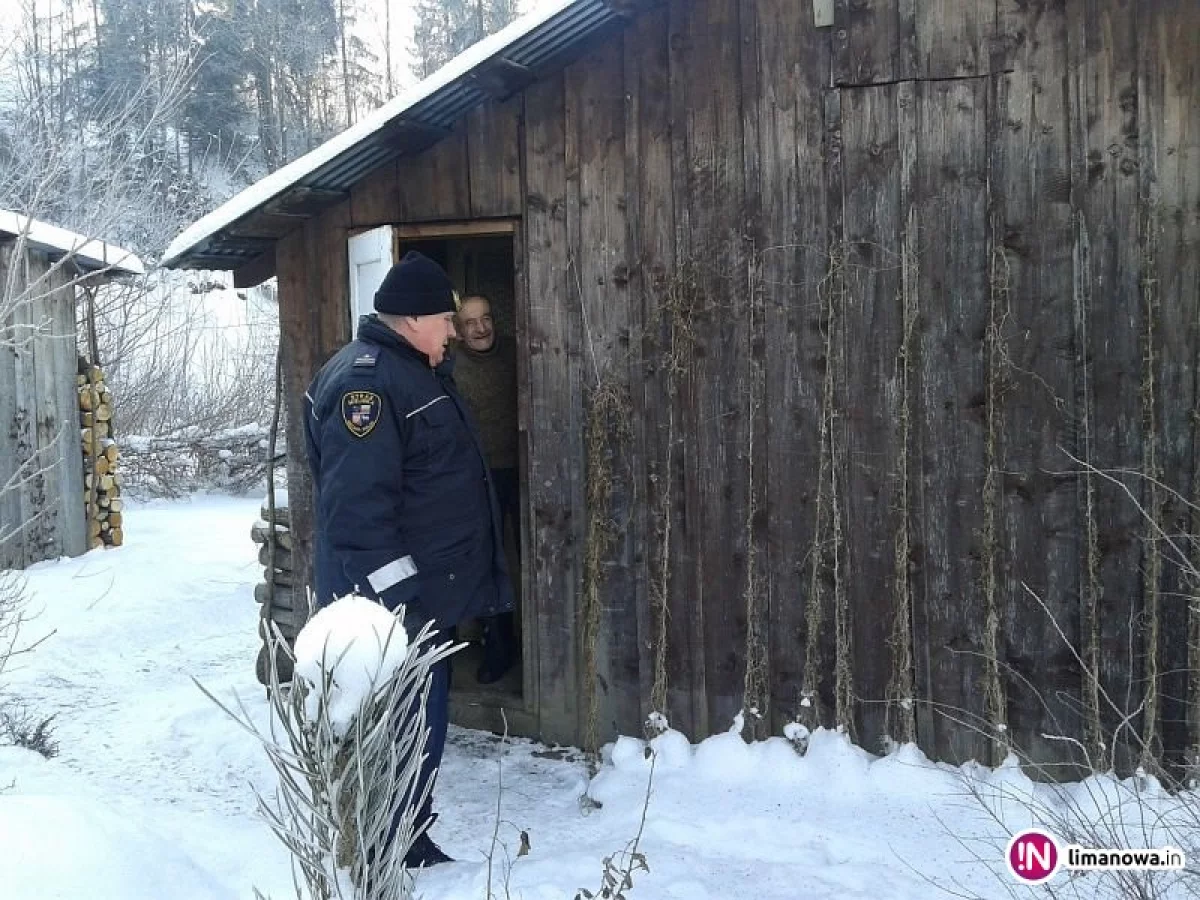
(392, 574)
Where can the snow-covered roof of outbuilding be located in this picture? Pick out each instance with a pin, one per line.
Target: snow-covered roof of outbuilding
(247, 226)
(89, 254)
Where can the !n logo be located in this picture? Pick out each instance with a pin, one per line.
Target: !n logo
(1032, 856)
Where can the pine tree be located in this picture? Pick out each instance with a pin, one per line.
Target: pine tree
(445, 28)
(215, 112)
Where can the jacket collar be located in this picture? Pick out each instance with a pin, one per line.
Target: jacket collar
(373, 331)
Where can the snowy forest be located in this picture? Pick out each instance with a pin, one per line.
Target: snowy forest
(169, 106)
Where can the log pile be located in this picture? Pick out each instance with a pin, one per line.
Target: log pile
(101, 457)
(280, 600)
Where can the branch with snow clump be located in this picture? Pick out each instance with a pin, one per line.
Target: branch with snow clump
(347, 741)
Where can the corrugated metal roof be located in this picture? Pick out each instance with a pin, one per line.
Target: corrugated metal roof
(539, 43)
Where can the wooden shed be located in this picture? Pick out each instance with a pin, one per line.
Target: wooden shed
(824, 311)
(44, 271)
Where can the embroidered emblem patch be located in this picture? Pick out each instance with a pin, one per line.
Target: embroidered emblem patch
(360, 411)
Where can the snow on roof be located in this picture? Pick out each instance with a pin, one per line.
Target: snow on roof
(88, 253)
(280, 181)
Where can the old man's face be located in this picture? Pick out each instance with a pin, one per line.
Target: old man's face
(474, 321)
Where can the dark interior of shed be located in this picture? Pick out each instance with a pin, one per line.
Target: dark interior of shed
(484, 265)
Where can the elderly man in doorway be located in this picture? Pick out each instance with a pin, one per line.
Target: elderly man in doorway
(486, 372)
(404, 509)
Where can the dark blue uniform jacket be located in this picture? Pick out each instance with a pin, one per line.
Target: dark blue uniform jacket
(405, 512)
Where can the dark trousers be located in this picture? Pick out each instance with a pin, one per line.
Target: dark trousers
(507, 484)
(437, 720)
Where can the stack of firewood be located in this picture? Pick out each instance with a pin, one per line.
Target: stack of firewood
(281, 600)
(101, 478)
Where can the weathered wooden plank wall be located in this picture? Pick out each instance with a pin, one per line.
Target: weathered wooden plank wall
(918, 257)
(862, 291)
(1031, 388)
(40, 459)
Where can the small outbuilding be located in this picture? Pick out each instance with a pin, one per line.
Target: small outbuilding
(47, 500)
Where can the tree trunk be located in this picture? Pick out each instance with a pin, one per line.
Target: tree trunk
(345, 64)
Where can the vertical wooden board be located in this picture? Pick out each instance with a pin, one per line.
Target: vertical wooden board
(1109, 330)
(434, 183)
(493, 157)
(298, 342)
(42, 538)
(595, 99)
(716, 198)
(10, 503)
(1169, 165)
(332, 301)
(827, 585)
(954, 37)
(794, 60)
(555, 428)
(685, 652)
(951, 185)
(526, 602)
(72, 522)
(873, 335)
(651, 249)
(1031, 375)
(874, 41)
(29, 314)
(375, 200)
(57, 426)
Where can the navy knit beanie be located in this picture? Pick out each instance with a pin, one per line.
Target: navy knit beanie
(415, 286)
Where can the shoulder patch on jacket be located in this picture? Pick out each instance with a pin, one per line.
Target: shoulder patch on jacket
(365, 360)
(360, 411)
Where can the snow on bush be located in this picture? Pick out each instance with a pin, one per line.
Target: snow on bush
(345, 653)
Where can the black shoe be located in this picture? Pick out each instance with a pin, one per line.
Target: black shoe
(425, 853)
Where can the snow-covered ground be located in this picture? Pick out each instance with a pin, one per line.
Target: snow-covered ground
(150, 796)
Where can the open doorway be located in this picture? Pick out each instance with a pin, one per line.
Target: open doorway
(480, 258)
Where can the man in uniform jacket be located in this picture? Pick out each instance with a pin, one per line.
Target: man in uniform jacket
(404, 508)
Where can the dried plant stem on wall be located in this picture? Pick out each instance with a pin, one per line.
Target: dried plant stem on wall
(607, 427)
(755, 693)
(1152, 567)
(678, 302)
(1092, 590)
(825, 556)
(902, 724)
(999, 282)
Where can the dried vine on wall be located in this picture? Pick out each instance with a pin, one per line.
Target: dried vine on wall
(607, 407)
(678, 300)
(1152, 569)
(902, 724)
(995, 703)
(825, 555)
(755, 691)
